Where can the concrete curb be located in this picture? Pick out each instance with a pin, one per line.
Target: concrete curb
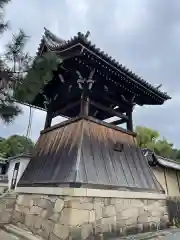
(20, 232)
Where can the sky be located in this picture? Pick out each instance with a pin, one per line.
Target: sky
(143, 35)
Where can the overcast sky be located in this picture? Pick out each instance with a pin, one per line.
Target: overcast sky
(144, 35)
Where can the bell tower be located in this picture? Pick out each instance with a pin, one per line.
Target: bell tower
(86, 151)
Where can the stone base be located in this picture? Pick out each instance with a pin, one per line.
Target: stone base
(83, 217)
(6, 208)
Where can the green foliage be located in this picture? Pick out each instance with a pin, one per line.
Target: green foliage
(9, 111)
(3, 24)
(27, 75)
(37, 77)
(148, 138)
(15, 145)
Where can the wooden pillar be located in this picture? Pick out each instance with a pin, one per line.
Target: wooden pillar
(129, 121)
(48, 119)
(84, 105)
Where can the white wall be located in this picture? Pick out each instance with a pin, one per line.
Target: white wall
(169, 180)
(23, 164)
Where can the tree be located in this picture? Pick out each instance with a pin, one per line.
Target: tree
(148, 138)
(3, 24)
(29, 74)
(7, 108)
(15, 145)
(21, 75)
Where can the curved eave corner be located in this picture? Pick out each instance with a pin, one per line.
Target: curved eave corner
(161, 161)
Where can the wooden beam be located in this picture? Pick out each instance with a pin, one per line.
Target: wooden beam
(130, 121)
(122, 103)
(84, 105)
(117, 122)
(66, 108)
(109, 110)
(49, 117)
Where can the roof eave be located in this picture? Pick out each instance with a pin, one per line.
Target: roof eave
(111, 62)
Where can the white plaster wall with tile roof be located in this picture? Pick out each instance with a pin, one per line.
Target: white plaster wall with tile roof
(24, 161)
(159, 173)
(168, 180)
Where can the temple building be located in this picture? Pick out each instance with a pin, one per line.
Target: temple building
(85, 156)
(90, 87)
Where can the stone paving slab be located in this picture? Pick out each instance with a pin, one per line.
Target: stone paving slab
(8, 236)
(173, 234)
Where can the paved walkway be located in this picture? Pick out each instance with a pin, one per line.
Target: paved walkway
(164, 235)
(173, 234)
(8, 236)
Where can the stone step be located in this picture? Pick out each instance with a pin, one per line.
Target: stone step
(21, 232)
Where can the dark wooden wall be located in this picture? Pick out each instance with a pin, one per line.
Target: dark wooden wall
(86, 152)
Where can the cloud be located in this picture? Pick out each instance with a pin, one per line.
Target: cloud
(142, 34)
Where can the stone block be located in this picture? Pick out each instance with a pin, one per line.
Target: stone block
(76, 204)
(144, 218)
(20, 199)
(21, 209)
(59, 204)
(86, 231)
(129, 212)
(120, 222)
(92, 216)
(37, 196)
(46, 214)
(137, 203)
(53, 237)
(25, 200)
(78, 217)
(38, 221)
(52, 198)
(61, 231)
(45, 204)
(109, 211)
(35, 210)
(10, 203)
(48, 227)
(54, 217)
(65, 216)
(122, 204)
(98, 207)
(74, 217)
(5, 217)
(2, 206)
(42, 233)
(107, 201)
(108, 223)
(131, 221)
(30, 221)
(18, 217)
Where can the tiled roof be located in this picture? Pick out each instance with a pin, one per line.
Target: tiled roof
(54, 43)
(154, 159)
